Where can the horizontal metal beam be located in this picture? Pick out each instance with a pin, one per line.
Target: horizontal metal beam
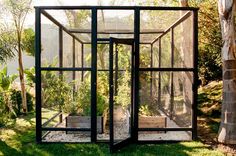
(180, 20)
(168, 69)
(127, 41)
(118, 31)
(52, 118)
(64, 129)
(60, 25)
(64, 69)
(115, 7)
(106, 42)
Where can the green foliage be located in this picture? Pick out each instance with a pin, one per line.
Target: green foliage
(6, 80)
(6, 51)
(16, 100)
(55, 90)
(210, 41)
(30, 76)
(28, 40)
(123, 97)
(6, 110)
(82, 101)
(145, 110)
(83, 98)
(3, 111)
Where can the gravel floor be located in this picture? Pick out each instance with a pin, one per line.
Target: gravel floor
(121, 132)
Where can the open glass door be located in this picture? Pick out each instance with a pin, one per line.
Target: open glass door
(121, 75)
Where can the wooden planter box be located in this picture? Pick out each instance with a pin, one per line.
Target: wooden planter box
(83, 122)
(152, 122)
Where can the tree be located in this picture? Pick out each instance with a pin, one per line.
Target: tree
(5, 48)
(210, 41)
(227, 129)
(18, 11)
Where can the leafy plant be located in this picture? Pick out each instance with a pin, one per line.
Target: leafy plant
(71, 108)
(55, 91)
(17, 101)
(30, 76)
(6, 109)
(144, 110)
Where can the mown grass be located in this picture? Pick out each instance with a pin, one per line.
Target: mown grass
(20, 140)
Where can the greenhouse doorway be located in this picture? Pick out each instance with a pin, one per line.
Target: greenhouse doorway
(121, 117)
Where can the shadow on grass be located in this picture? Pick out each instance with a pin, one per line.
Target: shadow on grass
(7, 150)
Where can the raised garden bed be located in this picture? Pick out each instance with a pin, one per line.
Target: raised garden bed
(152, 122)
(83, 122)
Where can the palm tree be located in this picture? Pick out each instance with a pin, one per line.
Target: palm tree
(18, 11)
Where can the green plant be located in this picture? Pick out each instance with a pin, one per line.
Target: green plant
(71, 108)
(3, 111)
(30, 76)
(17, 101)
(5, 90)
(55, 91)
(144, 110)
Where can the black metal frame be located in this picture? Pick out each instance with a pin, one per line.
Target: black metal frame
(42, 10)
(113, 90)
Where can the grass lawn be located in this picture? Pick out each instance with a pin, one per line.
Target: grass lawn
(20, 140)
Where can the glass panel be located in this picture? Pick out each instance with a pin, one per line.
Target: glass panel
(113, 23)
(122, 92)
(164, 104)
(102, 103)
(156, 22)
(78, 54)
(145, 55)
(67, 50)
(87, 55)
(103, 56)
(50, 43)
(64, 91)
(183, 43)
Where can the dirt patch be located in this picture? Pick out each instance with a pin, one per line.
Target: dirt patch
(208, 136)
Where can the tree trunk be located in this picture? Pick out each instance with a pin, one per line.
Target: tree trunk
(227, 131)
(21, 74)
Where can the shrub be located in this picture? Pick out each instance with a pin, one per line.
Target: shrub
(3, 112)
(17, 101)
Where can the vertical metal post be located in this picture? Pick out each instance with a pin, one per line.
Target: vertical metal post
(38, 74)
(136, 72)
(82, 61)
(60, 63)
(111, 90)
(195, 74)
(73, 63)
(159, 74)
(60, 50)
(151, 65)
(172, 75)
(94, 77)
(116, 69)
